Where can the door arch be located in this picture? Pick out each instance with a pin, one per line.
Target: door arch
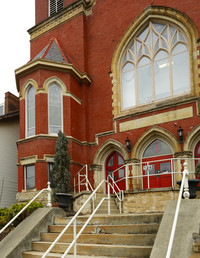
(115, 169)
(197, 152)
(158, 155)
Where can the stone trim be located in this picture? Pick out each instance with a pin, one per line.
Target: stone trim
(28, 160)
(25, 87)
(183, 154)
(96, 167)
(68, 13)
(154, 132)
(50, 65)
(159, 13)
(130, 161)
(165, 117)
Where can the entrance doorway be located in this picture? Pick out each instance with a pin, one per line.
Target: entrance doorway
(116, 170)
(158, 164)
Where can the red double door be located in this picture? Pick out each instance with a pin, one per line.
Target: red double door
(115, 168)
(159, 171)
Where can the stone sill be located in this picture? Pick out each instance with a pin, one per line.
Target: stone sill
(165, 189)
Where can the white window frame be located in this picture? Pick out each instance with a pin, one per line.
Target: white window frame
(61, 111)
(26, 112)
(56, 6)
(136, 59)
(25, 176)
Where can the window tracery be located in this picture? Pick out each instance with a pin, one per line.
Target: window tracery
(155, 65)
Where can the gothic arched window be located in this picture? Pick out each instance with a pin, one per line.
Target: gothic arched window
(30, 111)
(55, 108)
(155, 66)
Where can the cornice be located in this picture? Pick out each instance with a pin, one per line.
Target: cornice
(50, 65)
(68, 13)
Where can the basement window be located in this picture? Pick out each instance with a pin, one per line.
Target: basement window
(55, 6)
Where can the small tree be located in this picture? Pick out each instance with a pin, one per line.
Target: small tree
(60, 171)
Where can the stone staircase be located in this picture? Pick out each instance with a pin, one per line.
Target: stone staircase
(103, 209)
(106, 236)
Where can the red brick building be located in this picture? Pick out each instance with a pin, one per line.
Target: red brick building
(105, 72)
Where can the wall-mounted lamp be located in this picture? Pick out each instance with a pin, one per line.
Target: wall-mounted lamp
(180, 133)
(128, 144)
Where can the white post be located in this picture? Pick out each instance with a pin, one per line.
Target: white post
(74, 185)
(172, 173)
(79, 186)
(127, 177)
(49, 203)
(108, 199)
(186, 193)
(75, 238)
(171, 240)
(148, 175)
(86, 167)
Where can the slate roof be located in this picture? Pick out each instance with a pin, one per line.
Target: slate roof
(53, 52)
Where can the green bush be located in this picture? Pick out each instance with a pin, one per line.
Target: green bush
(7, 214)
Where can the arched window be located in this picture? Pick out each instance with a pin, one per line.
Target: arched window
(155, 65)
(30, 111)
(55, 108)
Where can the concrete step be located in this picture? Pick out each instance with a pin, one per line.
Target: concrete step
(97, 250)
(110, 229)
(126, 235)
(105, 211)
(115, 239)
(35, 254)
(116, 219)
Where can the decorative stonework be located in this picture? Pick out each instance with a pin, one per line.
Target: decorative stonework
(159, 13)
(183, 154)
(68, 13)
(50, 65)
(165, 117)
(95, 167)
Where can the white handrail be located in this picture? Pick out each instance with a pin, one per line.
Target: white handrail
(80, 181)
(121, 192)
(75, 217)
(48, 205)
(186, 196)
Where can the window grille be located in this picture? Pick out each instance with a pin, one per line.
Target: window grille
(55, 6)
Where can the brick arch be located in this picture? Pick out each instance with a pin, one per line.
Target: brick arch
(26, 85)
(54, 79)
(192, 139)
(150, 135)
(106, 149)
(100, 157)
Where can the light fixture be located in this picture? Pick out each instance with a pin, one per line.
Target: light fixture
(180, 133)
(128, 144)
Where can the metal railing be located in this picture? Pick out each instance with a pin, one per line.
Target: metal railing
(81, 179)
(73, 220)
(186, 194)
(119, 196)
(148, 175)
(48, 205)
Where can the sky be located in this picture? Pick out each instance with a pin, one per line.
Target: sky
(15, 19)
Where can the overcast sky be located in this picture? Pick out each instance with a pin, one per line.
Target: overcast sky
(17, 16)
